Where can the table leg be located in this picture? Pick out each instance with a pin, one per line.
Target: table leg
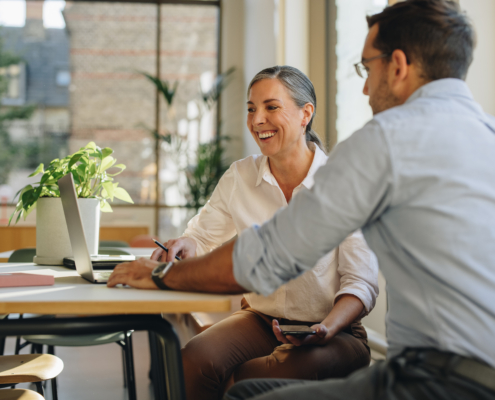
(167, 347)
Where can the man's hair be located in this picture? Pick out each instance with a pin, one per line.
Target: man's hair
(434, 34)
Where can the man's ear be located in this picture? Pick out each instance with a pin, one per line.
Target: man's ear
(398, 68)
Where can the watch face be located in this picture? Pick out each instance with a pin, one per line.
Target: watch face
(159, 269)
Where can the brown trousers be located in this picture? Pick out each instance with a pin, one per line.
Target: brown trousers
(243, 346)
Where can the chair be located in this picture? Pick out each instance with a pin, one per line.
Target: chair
(19, 394)
(123, 339)
(34, 368)
(143, 241)
(22, 255)
(113, 243)
(377, 344)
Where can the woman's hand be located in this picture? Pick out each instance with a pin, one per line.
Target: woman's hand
(321, 338)
(183, 247)
(347, 309)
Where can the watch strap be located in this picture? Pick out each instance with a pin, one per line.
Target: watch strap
(158, 278)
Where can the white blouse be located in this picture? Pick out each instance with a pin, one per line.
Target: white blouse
(249, 194)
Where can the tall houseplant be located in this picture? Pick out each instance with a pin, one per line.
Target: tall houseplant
(90, 167)
(9, 150)
(206, 166)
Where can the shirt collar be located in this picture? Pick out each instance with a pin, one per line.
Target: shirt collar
(442, 87)
(319, 159)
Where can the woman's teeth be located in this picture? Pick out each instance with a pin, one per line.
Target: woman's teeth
(265, 135)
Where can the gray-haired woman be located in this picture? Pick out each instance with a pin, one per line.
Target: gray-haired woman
(331, 298)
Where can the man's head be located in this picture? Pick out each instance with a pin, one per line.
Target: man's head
(421, 41)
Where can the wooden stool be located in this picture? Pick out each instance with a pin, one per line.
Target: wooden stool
(30, 368)
(19, 394)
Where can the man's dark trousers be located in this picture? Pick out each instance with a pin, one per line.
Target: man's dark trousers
(417, 374)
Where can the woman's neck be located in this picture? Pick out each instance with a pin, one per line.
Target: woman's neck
(290, 169)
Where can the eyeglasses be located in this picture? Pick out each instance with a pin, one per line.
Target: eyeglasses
(361, 69)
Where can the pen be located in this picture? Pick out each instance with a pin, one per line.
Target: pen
(164, 248)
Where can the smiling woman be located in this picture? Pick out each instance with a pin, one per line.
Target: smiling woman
(281, 107)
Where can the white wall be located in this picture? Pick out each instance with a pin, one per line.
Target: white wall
(260, 48)
(481, 76)
(296, 34)
(353, 109)
(253, 33)
(233, 107)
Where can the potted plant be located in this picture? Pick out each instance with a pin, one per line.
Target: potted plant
(90, 167)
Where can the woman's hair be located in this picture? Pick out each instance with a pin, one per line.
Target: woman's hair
(300, 89)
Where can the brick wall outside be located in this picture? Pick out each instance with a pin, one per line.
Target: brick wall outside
(110, 103)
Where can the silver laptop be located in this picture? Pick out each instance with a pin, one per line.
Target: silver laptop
(82, 259)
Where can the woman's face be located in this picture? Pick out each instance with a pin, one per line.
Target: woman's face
(275, 121)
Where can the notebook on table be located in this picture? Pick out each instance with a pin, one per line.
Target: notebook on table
(83, 262)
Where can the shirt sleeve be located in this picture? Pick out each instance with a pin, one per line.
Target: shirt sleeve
(351, 190)
(358, 270)
(214, 225)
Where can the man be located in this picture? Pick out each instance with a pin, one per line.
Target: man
(419, 179)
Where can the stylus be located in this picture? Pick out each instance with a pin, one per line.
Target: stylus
(164, 248)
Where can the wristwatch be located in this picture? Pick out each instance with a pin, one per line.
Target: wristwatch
(159, 273)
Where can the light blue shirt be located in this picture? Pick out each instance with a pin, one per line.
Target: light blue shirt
(419, 179)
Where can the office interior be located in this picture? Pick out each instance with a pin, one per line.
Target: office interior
(322, 38)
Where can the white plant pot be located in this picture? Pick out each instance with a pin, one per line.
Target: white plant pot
(52, 236)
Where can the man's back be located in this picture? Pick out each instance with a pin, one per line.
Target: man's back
(436, 239)
(420, 179)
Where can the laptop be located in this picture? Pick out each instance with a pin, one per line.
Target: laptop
(82, 259)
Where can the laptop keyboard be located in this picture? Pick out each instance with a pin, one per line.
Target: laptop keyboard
(103, 275)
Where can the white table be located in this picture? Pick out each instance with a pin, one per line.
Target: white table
(133, 309)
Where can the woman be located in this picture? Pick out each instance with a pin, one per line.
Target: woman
(331, 298)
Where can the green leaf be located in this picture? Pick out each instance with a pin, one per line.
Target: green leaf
(122, 194)
(105, 207)
(75, 158)
(27, 198)
(107, 163)
(121, 166)
(37, 171)
(106, 152)
(90, 145)
(92, 168)
(45, 178)
(109, 189)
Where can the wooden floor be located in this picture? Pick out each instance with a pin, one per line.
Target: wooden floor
(92, 373)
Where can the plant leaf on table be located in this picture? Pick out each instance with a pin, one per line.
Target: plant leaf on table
(89, 167)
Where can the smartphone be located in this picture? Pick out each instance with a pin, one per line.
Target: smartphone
(297, 330)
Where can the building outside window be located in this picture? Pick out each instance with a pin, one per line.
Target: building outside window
(87, 81)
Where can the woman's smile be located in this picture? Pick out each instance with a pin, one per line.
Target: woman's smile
(265, 135)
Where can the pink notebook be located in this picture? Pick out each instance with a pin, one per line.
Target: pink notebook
(20, 279)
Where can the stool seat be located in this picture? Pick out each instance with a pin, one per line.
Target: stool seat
(76, 340)
(29, 368)
(19, 394)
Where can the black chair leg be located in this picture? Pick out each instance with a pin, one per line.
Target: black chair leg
(39, 388)
(157, 365)
(129, 366)
(54, 389)
(2, 345)
(124, 366)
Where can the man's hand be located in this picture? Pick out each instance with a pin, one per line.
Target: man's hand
(183, 247)
(136, 274)
(321, 338)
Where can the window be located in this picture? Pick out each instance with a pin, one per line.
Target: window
(63, 78)
(91, 85)
(14, 76)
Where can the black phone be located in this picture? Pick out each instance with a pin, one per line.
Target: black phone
(297, 330)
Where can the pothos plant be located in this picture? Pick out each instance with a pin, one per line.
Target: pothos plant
(90, 167)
